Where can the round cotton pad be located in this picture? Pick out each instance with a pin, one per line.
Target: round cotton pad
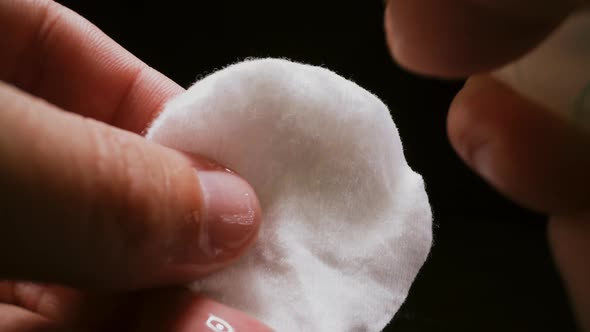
(346, 223)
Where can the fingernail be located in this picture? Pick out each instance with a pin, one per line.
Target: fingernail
(468, 136)
(471, 135)
(472, 144)
(479, 157)
(231, 212)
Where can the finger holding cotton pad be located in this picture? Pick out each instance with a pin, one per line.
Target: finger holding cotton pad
(346, 223)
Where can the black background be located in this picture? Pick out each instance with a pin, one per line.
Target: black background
(490, 268)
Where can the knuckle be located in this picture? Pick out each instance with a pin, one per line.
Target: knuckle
(123, 202)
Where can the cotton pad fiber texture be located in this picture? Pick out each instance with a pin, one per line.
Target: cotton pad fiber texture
(346, 223)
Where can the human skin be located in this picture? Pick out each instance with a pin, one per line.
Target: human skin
(536, 157)
(92, 214)
(98, 95)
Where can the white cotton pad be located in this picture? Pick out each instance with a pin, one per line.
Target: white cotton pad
(346, 223)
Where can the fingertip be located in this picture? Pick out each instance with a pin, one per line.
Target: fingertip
(222, 224)
(230, 205)
(534, 156)
(231, 213)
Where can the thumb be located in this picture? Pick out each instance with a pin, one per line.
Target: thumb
(90, 205)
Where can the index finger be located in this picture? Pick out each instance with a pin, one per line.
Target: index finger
(459, 38)
(52, 52)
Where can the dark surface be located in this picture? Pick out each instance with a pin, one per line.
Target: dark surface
(490, 268)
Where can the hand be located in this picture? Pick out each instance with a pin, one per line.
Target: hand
(534, 156)
(91, 213)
